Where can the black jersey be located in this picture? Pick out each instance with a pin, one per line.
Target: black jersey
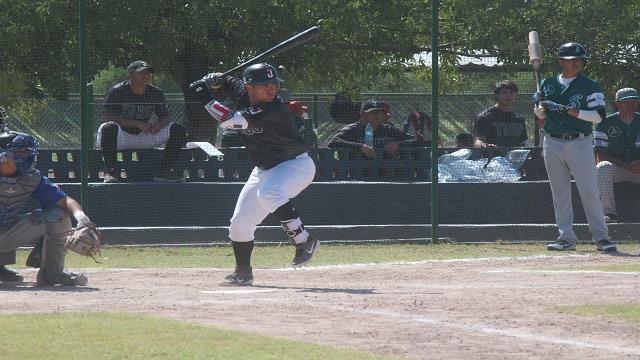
(271, 136)
(504, 129)
(352, 136)
(120, 100)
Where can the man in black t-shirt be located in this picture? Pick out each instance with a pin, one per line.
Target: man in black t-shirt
(128, 109)
(500, 125)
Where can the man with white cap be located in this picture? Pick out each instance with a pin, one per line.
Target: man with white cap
(617, 142)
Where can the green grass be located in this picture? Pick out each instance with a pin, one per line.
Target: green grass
(616, 267)
(129, 336)
(280, 256)
(626, 312)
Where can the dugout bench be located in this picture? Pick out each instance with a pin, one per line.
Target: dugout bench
(411, 164)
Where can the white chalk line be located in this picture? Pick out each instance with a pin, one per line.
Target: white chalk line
(518, 334)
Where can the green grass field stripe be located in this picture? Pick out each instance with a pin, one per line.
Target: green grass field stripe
(626, 312)
(269, 257)
(128, 336)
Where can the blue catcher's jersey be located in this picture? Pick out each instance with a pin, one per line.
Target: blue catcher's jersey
(15, 192)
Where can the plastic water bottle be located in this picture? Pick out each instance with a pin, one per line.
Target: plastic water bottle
(368, 135)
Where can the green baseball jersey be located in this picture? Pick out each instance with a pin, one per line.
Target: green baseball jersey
(620, 139)
(582, 94)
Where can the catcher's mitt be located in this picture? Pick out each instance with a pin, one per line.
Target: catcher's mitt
(86, 241)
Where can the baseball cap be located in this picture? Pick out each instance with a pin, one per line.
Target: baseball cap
(139, 65)
(375, 105)
(627, 94)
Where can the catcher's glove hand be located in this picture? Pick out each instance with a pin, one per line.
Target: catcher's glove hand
(85, 240)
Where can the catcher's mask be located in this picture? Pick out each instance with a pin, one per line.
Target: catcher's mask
(24, 150)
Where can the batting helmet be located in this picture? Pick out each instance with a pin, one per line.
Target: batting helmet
(24, 149)
(571, 50)
(260, 74)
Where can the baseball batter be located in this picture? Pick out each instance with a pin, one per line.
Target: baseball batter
(46, 228)
(282, 167)
(570, 104)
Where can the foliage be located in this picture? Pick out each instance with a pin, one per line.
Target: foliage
(364, 43)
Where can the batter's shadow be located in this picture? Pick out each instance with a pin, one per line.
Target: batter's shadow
(27, 286)
(321, 290)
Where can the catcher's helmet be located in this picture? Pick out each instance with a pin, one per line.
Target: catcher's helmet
(24, 149)
(571, 50)
(260, 74)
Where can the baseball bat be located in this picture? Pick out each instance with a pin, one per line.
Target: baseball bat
(535, 57)
(288, 44)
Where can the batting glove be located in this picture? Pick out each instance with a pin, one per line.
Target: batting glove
(537, 96)
(555, 107)
(213, 80)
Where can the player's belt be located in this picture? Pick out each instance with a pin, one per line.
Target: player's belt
(569, 136)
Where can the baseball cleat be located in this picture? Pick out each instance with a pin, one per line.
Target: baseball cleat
(110, 179)
(305, 251)
(66, 278)
(611, 218)
(9, 275)
(561, 245)
(240, 277)
(606, 246)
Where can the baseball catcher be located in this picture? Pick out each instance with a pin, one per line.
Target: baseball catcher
(49, 227)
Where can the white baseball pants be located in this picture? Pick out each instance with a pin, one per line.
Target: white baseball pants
(267, 190)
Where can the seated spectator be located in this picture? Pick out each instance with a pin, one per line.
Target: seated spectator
(500, 125)
(385, 136)
(343, 110)
(464, 140)
(617, 143)
(418, 125)
(128, 108)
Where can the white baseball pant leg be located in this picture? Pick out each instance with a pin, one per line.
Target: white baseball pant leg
(126, 141)
(609, 174)
(267, 190)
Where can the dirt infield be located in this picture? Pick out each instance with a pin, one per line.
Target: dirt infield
(498, 308)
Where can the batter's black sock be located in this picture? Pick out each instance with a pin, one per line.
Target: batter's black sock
(109, 143)
(177, 139)
(242, 252)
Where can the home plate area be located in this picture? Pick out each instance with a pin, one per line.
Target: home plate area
(437, 309)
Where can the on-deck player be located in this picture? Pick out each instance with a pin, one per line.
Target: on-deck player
(570, 104)
(282, 166)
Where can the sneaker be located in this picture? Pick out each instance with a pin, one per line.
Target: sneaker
(170, 175)
(9, 275)
(110, 179)
(611, 218)
(561, 245)
(606, 246)
(66, 278)
(305, 251)
(240, 277)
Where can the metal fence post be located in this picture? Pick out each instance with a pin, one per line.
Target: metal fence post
(84, 103)
(435, 203)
